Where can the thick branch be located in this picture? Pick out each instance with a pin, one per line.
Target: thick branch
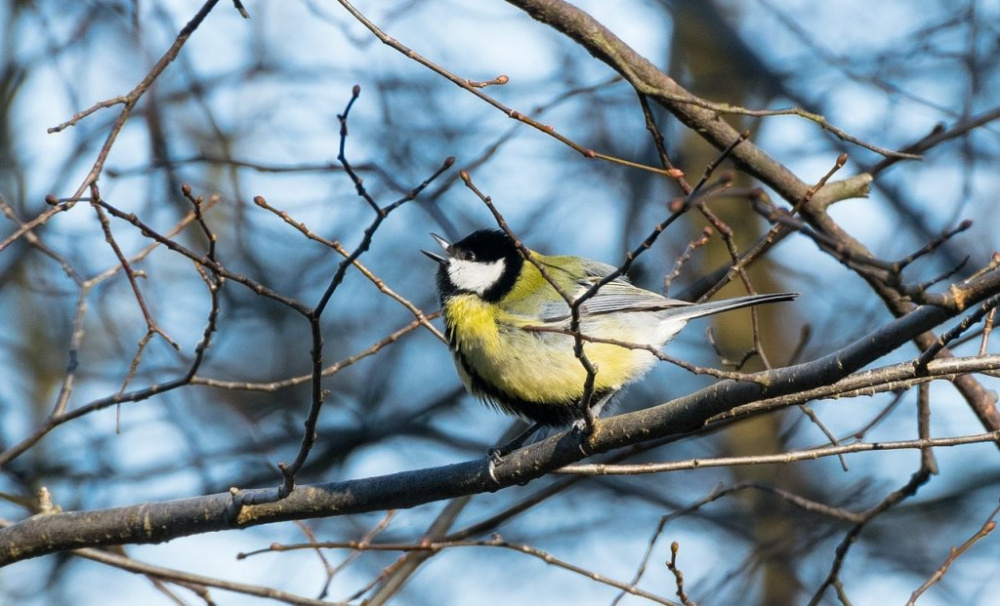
(157, 522)
(649, 80)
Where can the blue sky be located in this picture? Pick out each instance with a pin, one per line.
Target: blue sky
(273, 86)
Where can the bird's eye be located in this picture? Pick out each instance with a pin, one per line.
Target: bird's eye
(467, 255)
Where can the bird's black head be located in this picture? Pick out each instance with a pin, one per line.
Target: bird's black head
(485, 263)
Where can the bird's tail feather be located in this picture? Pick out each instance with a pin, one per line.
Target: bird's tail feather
(713, 307)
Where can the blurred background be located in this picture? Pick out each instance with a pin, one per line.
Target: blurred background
(249, 108)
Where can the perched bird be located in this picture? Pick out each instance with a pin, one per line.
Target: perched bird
(495, 301)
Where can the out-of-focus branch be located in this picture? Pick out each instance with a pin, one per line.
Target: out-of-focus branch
(989, 526)
(155, 522)
(496, 541)
(600, 469)
(132, 98)
(650, 81)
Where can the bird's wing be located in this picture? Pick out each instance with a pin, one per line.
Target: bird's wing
(614, 297)
(620, 296)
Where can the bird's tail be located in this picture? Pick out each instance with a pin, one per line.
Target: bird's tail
(699, 310)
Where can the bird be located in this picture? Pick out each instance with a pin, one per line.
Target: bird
(507, 326)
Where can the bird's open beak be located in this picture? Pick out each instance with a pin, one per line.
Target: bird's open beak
(444, 244)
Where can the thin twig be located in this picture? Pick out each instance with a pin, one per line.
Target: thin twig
(572, 301)
(692, 368)
(151, 325)
(982, 310)
(332, 369)
(954, 553)
(475, 90)
(678, 575)
(693, 245)
(318, 395)
(496, 542)
(422, 318)
(602, 469)
(130, 100)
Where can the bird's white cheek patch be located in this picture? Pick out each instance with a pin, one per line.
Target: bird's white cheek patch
(473, 276)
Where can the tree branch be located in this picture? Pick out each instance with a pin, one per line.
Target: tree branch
(157, 522)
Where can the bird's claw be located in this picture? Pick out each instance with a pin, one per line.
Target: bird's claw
(493, 458)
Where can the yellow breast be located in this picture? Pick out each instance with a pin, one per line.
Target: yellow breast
(533, 366)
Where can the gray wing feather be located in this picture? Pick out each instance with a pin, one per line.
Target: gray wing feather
(613, 297)
(622, 297)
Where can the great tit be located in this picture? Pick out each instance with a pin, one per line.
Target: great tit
(492, 297)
